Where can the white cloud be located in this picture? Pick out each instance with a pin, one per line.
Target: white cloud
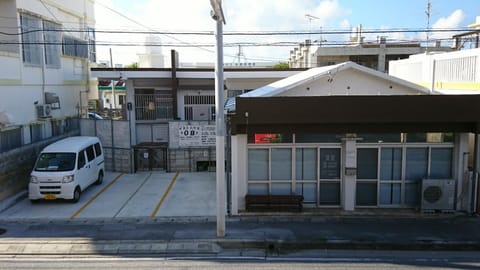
(194, 15)
(453, 21)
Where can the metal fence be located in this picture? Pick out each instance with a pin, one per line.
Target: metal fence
(153, 107)
(15, 137)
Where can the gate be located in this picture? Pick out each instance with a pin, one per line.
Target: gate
(150, 156)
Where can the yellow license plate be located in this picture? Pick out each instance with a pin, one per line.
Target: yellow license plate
(49, 197)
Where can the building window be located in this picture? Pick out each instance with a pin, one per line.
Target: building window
(31, 39)
(367, 164)
(92, 52)
(200, 107)
(75, 47)
(52, 43)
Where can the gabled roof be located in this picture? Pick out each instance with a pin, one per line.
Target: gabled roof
(313, 74)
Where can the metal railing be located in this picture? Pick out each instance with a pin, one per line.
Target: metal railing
(153, 107)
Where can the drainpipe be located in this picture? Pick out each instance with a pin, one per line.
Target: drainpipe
(432, 84)
(474, 175)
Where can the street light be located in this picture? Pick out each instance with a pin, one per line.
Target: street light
(217, 15)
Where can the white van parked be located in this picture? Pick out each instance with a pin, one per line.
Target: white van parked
(66, 168)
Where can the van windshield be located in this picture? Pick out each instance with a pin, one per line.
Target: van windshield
(55, 162)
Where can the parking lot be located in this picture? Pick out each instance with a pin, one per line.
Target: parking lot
(144, 194)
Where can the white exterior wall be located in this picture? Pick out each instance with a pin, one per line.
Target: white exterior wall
(21, 84)
(239, 172)
(349, 82)
(441, 72)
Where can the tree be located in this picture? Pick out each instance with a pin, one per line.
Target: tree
(281, 65)
(132, 65)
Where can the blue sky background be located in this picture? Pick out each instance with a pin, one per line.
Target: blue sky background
(268, 15)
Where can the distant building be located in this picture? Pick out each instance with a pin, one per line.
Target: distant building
(374, 55)
(153, 56)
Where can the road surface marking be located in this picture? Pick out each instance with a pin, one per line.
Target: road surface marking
(96, 196)
(170, 186)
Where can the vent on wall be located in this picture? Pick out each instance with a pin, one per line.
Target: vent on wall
(438, 194)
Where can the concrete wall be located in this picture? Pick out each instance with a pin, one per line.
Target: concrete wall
(185, 160)
(115, 140)
(16, 165)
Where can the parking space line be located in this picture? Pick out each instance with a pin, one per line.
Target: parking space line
(96, 196)
(170, 186)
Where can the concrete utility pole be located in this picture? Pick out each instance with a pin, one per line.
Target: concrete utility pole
(217, 15)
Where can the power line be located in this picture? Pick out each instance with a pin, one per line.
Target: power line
(252, 33)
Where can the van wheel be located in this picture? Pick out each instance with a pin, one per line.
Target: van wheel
(76, 195)
(99, 179)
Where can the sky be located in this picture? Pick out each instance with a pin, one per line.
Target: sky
(126, 18)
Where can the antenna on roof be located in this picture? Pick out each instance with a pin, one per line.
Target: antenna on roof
(428, 13)
(310, 19)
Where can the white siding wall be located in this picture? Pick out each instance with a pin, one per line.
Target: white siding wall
(21, 85)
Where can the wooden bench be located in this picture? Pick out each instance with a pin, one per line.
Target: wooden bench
(274, 203)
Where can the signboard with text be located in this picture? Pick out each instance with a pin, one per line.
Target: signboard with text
(196, 135)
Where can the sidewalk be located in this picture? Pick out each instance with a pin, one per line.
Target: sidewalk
(245, 235)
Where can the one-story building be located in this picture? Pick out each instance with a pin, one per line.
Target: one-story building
(349, 137)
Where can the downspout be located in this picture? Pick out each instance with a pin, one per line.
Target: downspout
(432, 84)
(474, 175)
(173, 58)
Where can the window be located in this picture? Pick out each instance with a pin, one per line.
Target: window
(367, 163)
(441, 163)
(330, 163)
(306, 164)
(281, 164)
(90, 153)
(391, 164)
(92, 52)
(52, 44)
(81, 159)
(31, 39)
(258, 164)
(416, 164)
(98, 149)
(75, 47)
(55, 162)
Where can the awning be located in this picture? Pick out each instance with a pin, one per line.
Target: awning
(353, 114)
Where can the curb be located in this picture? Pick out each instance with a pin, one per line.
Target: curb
(208, 247)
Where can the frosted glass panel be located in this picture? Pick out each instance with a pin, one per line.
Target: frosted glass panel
(281, 164)
(306, 164)
(308, 190)
(391, 164)
(417, 163)
(258, 189)
(258, 164)
(390, 194)
(281, 188)
(441, 166)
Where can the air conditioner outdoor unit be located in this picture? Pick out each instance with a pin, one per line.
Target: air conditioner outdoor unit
(44, 111)
(438, 194)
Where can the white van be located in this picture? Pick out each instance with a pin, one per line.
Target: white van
(66, 168)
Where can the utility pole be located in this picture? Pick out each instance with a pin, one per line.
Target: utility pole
(217, 15)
